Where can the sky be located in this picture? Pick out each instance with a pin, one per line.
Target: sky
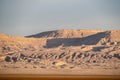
(26, 17)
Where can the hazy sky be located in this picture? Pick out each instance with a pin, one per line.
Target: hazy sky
(26, 17)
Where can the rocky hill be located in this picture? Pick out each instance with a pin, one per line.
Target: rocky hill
(65, 33)
(63, 49)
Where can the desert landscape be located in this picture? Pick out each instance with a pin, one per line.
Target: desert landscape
(61, 52)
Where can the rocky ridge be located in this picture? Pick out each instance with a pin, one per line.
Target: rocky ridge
(62, 48)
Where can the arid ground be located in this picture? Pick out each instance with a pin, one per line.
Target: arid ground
(66, 52)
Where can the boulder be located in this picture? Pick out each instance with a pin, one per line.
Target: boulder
(8, 59)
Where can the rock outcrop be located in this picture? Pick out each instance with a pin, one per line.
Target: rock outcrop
(68, 46)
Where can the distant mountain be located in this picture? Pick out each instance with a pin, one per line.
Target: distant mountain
(56, 38)
(65, 33)
(88, 38)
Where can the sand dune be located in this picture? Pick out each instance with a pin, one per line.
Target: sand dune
(78, 51)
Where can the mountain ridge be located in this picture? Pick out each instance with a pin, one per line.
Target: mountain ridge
(69, 33)
(66, 50)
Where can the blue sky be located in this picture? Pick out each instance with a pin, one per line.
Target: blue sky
(26, 17)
